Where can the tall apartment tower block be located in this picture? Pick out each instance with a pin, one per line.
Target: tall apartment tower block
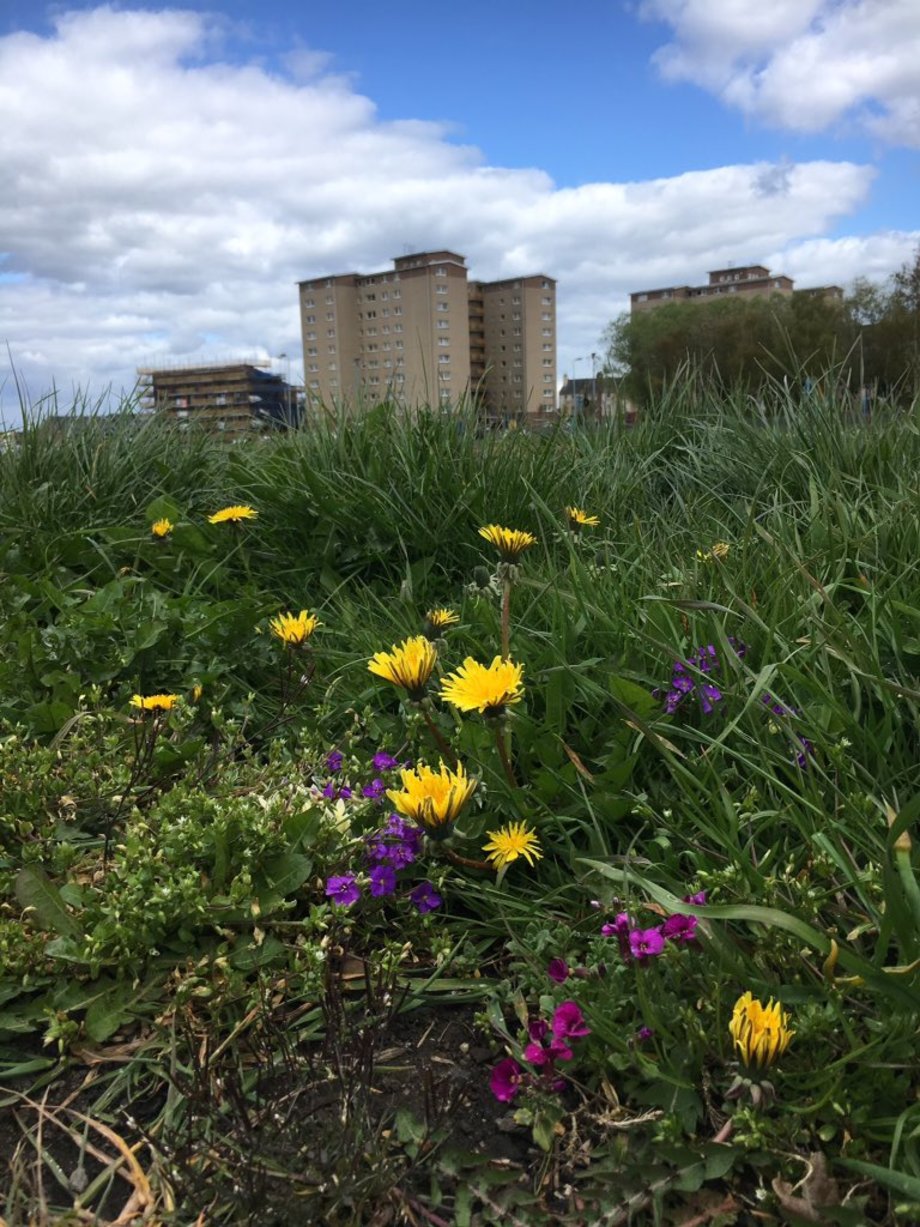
(422, 333)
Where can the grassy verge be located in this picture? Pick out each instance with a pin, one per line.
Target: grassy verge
(227, 986)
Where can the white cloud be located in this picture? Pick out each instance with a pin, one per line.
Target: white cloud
(159, 202)
(801, 64)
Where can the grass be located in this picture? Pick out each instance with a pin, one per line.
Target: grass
(165, 925)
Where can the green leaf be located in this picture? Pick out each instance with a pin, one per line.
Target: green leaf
(35, 890)
(287, 872)
(907, 1186)
(109, 1011)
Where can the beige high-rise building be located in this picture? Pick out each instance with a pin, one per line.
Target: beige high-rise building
(423, 334)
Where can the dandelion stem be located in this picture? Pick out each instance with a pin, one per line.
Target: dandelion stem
(502, 740)
(506, 618)
(466, 861)
(440, 740)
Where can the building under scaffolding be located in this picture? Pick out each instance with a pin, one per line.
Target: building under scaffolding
(237, 400)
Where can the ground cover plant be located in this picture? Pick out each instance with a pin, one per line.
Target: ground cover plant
(404, 822)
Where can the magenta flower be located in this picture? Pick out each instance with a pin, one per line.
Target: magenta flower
(558, 971)
(334, 760)
(343, 890)
(425, 897)
(374, 790)
(383, 880)
(680, 928)
(568, 1022)
(536, 1054)
(538, 1029)
(698, 900)
(645, 944)
(644, 1033)
(506, 1080)
(620, 926)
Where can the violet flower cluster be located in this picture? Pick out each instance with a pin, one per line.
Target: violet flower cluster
(547, 1044)
(391, 848)
(382, 762)
(640, 945)
(685, 682)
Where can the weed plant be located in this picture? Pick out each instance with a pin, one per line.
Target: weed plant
(713, 754)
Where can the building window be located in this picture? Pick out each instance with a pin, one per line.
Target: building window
(641, 298)
(309, 319)
(308, 302)
(333, 366)
(332, 349)
(444, 340)
(329, 300)
(312, 352)
(546, 316)
(547, 332)
(311, 336)
(546, 345)
(547, 362)
(547, 379)
(314, 383)
(547, 302)
(313, 366)
(399, 344)
(443, 357)
(330, 332)
(440, 271)
(443, 323)
(442, 306)
(516, 301)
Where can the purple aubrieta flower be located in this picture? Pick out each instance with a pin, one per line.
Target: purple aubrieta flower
(374, 790)
(680, 928)
(568, 1022)
(558, 971)
(383, 761)
(645, 1033)
(645, 944)
(425, 897)
(802, 756)
(343, 889)
(698, 900)
(331, 793)
(709, 696)
(383, 880)
(506, 1079)
(334, 760)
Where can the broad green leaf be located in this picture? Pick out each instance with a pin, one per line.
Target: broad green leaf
(35, 890)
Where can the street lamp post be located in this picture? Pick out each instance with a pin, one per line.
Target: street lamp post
(575, 405)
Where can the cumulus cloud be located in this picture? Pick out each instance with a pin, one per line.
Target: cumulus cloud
(801, 64)
(159, 202)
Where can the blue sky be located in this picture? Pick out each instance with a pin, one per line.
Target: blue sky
(172, 172)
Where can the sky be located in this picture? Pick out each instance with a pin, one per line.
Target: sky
(170, 174)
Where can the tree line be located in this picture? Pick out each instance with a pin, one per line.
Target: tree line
(867, 343)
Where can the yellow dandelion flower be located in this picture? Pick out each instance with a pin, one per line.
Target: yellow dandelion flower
(440, 619)
(512, 841)
(579, 519)
(484, 688)
(162, 528)
(154, 702)
(510, 542)
(233, 515)
(719, 550)
(408, 664)
(433, 799)
(760, 1032)
(197, 691)
(294, 629)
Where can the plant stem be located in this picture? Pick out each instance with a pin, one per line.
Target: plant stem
(466, 861)
(502, 741)
(506, 618)
(441, 741)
